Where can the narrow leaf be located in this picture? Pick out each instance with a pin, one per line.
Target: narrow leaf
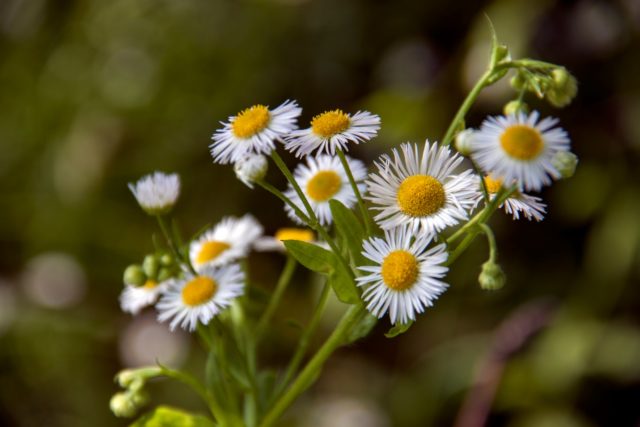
(362, 328)
(343, 285)
(350, 228)
(311, 256)
(398, 329)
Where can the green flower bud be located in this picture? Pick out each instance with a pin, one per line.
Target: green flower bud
(150, 266)
(563, 88)
(515, 106)
(565, 163)
(492, 277)
(134, 276)
(518, 82)
(502, 53)
(165, 274)
(122, 405)
(463, 141)
(166, 260)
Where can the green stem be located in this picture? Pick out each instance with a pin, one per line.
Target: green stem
(366, 217)
(217, 412)
(305, 338)
(175, 249)
(271, 189)
(491, 238)
(274, 301)
(466, 105)
(313, 367)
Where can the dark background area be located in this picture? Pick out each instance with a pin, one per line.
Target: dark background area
(94, 94)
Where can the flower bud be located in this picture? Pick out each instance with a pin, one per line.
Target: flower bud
(518, 82)
(122, 405)
(251, 168)
(463, 141)
(563, 88)
(156, 193)
(565, 163)
(150, 266)
(492, 277)
(164, 274)
(134, 276)
(514, 107)
(166, 260)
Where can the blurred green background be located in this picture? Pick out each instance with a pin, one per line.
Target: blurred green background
(94, 94)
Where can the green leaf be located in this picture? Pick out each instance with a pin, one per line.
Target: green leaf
(398, 329)
(362, 328)
(343, 285)
(164, 416)
(350, 228)
(312, 256)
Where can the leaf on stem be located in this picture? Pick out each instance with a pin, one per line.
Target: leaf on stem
(350, 228)
(398, 329)
(362, 328)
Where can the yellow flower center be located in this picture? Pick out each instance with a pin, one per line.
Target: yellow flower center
(420, 195)
(251, 121)
(400, 270)
(324, 185)
(493, 185)
(150, 284)
(522, 142)
(198, 291)
(330, 123)
(300, 234)
(211, 250)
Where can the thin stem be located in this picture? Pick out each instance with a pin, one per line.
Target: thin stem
(195, 385)
(273, 190)
(313, 367)
(366, 217)
(173, 245)
(274, 301)
(491, 238)
(466, 105)
(305, 338)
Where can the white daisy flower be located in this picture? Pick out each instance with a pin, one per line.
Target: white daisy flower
(520, 148)
(420, 189)
(135, 298)
(156, 193)
(405, 276)
(253, 131)
(251, 168)
(274, 243)
(323, 178)
(333, 130)
(199, 298)
(531, 207)
(227, 241)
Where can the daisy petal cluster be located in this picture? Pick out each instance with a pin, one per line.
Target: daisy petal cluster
(156, 193)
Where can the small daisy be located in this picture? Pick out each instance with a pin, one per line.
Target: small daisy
(135, 298)
(227, 241)
(274, 243)
(420, 189)
(156, 193)
(199, 298)
(520, 148)
(251, 168)
(323, 178)
(333, 130)
(253, 131)
(530, 206)
(405, 276)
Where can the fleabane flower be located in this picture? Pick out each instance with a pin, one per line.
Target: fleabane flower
(321, 179)
(251, 168)
(531, 207)
(421, 189)
(134, 298)
(333, 130)
(156, 193)
(253, 131)
(519, 147)
(225, 242)
(274, 243)
(405, 275)
(198, 298)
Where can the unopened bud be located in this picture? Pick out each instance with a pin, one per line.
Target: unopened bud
(251, 168)
(565, 163)
(134, 276)
(463, 142)
(518, 82)
(515, 107)
(150, 266)
(492, 277)
(165, 274)
(122, 405)
(166, 260)
(563, 88)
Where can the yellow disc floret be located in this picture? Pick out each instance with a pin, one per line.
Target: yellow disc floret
(324, 185)
(421, 195)
(211, 250)
(522, 142)
(400, 270)
(199, 290)
(150, 284)
(251, 121)
(300, 234)
(493, 184)
(330, 123)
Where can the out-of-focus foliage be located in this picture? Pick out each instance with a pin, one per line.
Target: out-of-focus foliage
(96, 93)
